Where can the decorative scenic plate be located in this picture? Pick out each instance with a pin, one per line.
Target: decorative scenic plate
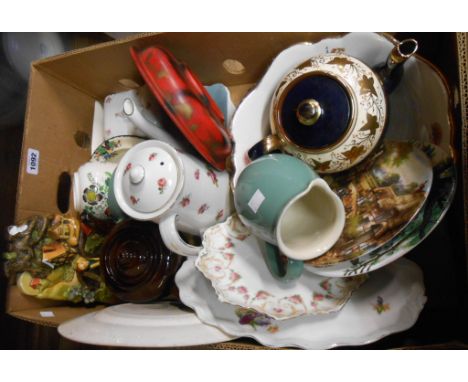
(142, 325)
(380, 197)
(232, 259)
(438, 202)
(389, 302)
(420, 106)
(113, 149)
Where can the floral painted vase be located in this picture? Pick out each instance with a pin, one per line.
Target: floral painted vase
(91, 189)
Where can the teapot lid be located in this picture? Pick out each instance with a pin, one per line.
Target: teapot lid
(331, 109)
(148, 179)
(316, 111)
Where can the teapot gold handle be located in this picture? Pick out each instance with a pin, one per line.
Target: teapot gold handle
(267, 145)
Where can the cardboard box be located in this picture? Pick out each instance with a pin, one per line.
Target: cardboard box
(62, 92)
(59, 116)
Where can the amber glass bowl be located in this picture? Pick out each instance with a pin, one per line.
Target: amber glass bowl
(136, 265)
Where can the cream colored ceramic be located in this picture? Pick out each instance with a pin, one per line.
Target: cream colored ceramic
(153, 181)
(120, 120)
(142, 325)
(420, 104)
(389, 302)
(97, 136)
(92, 181)
(232, 260)
(366, 122)
(91, 188)
(113, 149)
(311, 222)
(284, 202)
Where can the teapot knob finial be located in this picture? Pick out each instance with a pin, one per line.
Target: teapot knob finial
(308, 112)
(137, 174)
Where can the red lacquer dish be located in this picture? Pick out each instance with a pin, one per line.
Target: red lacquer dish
(187, 103)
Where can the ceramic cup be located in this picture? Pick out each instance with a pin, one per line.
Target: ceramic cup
(91, 189)
(153, 181)
(284, 202)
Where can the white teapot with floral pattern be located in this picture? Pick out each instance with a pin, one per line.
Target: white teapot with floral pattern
(154, 181)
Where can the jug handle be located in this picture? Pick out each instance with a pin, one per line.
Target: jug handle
(281, 267)
(172, 239)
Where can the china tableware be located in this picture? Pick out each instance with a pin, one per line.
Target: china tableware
(187, 103)
(136, 265)
(420, 111)
(437, 203)
(330, 111)
(92, 191)
(163, 324)
(136, 112)
(389, 302)
(97, 135)
(91, 188)
(113, 149)
(285, 203)
(153, 181)
(381, 198)
(231, 259)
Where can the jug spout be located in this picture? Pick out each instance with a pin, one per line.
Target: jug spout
(392, 70)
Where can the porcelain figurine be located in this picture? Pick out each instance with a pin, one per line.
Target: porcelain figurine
(331, 110)
(44, 256)
(153, 181)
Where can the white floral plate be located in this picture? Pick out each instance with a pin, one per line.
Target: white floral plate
(232, 260)
(389, 302)
(142, 325)
(420, 106)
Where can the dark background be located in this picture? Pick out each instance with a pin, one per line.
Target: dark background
(443, 322)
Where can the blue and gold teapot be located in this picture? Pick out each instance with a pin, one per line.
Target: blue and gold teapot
(331, 110)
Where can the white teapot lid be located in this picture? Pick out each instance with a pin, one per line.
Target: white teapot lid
(148, 179)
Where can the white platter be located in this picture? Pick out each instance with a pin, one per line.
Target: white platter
(389, 302)
(142, 325)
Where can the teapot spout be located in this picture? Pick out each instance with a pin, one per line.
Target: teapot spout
(392, 70)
